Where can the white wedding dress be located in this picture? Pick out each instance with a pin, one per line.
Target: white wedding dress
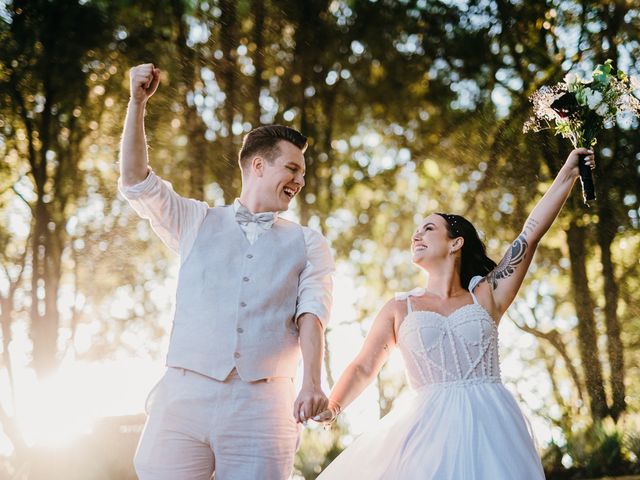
(462, 423)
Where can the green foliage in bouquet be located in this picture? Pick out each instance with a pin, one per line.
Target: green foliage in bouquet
(579, 108)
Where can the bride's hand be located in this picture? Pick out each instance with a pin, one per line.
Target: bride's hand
(329, 416)
(572, 160)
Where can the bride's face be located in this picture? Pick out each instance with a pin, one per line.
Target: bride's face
(430, 242)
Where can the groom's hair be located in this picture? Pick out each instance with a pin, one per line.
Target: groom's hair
(264, 140)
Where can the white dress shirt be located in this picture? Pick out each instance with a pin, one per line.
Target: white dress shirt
(176, 221)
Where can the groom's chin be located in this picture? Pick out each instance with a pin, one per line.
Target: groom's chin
(286, 204)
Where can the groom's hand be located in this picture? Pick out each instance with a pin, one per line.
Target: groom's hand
(329, 416)
(311, 401)
(144, 80)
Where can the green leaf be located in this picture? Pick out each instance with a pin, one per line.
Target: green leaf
(602, 73)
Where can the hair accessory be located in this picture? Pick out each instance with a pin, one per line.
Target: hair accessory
(453, 223)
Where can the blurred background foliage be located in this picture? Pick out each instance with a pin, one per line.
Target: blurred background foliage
(411, 106)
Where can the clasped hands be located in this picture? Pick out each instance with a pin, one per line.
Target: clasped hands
(329, 415)
(313, 404)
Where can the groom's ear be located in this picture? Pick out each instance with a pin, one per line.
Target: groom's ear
(257, 166)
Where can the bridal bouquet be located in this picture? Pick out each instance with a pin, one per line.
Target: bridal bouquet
(578, 109)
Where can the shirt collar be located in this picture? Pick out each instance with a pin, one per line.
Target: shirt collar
(237, 204)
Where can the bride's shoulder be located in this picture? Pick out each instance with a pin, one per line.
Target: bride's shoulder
(400, 301)
(393, 312)
(391, 308)
(396, 307)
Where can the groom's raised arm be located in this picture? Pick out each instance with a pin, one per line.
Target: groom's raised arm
(174, 219)
(143, 82)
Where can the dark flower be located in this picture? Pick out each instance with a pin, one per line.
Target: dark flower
(566, 105)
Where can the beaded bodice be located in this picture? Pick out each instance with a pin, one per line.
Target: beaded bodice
(458, 349)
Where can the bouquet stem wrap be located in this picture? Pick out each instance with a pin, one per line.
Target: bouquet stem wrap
(586, 178)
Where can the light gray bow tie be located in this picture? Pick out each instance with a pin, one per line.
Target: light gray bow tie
(245, 217)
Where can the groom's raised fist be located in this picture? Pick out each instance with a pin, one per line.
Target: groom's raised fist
(143, 80)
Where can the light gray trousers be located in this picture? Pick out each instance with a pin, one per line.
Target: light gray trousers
(198, 425)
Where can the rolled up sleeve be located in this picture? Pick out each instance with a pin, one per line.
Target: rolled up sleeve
(316, 280)
(172, 217)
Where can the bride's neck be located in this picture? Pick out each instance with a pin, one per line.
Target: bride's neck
(444, 283)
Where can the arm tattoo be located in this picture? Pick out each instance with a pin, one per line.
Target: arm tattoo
(511, 259)
(530, 226)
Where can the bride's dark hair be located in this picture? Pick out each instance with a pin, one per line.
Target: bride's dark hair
(474, 260)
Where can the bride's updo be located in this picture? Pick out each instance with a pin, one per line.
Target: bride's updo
(474, 260)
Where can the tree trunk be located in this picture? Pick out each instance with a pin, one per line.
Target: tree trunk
(258, 10)
(587, 334)
(565, 422)
(194, 125)
(555, 340)
(307, 32)
(44, 291)
(606, 233)
(227, 166)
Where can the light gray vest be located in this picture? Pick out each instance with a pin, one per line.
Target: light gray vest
(236, 302)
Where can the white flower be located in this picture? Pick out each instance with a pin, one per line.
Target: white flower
(593, 98)
(635, 81)
(571, 78)
(602, 109)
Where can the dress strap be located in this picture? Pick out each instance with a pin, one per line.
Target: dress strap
(407, 296)
(473, 284)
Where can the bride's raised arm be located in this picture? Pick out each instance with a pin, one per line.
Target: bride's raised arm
(505, 280)
(365, 367)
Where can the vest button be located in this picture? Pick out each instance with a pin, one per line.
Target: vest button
(249, 255)
(242, 304)
(239, 330)
(245, 279)
(236, 355)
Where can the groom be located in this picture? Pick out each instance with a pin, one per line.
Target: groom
(254, 291)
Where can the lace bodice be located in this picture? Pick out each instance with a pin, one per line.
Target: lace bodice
(457, 349)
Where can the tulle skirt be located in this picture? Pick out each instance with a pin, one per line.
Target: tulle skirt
(446, 432)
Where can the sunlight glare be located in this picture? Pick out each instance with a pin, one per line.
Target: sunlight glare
(56, 411)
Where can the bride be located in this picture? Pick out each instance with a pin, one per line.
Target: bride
(462, 423)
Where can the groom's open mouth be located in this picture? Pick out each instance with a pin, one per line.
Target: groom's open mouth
(290, 192)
